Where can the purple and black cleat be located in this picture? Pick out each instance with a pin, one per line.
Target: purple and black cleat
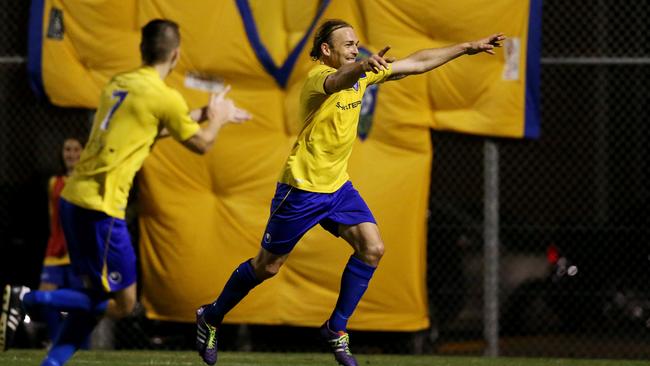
(206, 338)
(339, 344)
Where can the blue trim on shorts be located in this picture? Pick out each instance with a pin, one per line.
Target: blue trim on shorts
(295, 211)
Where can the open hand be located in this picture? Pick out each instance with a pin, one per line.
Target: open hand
(240, 115)
(224, 109)
(486, 45)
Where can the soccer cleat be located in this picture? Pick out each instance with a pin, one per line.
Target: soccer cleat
(206, 338)
(12, 313)
(339, 343)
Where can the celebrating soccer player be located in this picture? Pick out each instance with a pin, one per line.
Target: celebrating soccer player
(314, 186)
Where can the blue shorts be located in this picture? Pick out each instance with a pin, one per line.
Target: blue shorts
(294, 212)
(62, 276)
(99, 246)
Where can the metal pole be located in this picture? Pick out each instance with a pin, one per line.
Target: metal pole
(491, 251)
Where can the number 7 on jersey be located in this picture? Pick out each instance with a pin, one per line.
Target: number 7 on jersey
(120, 94)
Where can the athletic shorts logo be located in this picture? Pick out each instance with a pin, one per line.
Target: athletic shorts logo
(115, 277)
(267, 238)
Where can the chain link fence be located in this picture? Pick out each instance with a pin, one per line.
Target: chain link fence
(574, 211)
(574, 214)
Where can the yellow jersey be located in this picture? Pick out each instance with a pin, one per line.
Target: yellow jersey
(128, 119)
(319, 159)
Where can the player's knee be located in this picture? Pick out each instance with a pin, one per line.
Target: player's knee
(372, 252)
(267, 265)
(123, 311)
(377, 250)
(123, 308)
(268, 271)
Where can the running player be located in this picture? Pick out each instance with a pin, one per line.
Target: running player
(133, 109)
(314, 186)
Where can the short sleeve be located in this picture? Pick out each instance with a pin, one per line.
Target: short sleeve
(315, 83)
(379, 77)
(176, 116)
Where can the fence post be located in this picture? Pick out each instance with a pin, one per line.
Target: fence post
(491, 248)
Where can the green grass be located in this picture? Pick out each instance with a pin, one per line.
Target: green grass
(184, 358)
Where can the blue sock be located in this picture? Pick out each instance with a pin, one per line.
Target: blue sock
(75, 331)
(241, 281)
(53, 320)
(66, 300)
(354, 283)
(54, 327)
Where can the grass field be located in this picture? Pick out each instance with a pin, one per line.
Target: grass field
(153, 358)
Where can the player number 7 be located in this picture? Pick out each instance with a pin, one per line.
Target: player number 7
(121, 94)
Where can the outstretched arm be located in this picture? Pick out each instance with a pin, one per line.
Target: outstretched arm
(428, 59)
(219, 112)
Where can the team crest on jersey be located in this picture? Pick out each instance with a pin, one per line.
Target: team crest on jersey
(368, 103)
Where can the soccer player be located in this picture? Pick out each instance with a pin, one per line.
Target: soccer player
(133, 109)
(314, 186)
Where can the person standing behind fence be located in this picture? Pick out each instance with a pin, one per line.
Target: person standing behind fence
(57, 271)
(134, 108)
(314, 187)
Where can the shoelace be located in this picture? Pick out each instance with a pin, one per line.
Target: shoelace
(212, 339)
(341, 344)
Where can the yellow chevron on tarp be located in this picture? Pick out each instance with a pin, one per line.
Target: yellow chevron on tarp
(203, 215)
